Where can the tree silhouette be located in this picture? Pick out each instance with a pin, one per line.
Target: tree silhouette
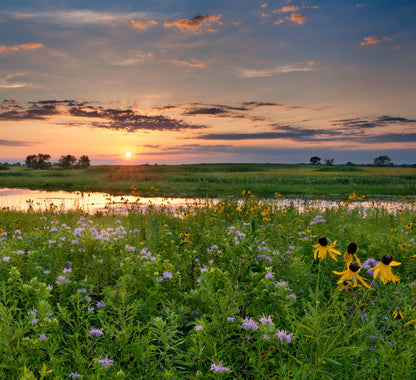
(83, 162)
(315, 160)
(39, 161)
(382, 161)
(329, 161)
(67, 162)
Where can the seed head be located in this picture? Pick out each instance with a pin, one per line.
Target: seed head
(352, 248)
(354, 266)
(323, 241)
(387, 259)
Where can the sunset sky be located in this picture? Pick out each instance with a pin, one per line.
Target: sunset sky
(181, 81)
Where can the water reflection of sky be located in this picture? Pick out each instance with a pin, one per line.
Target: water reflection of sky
(39, 200)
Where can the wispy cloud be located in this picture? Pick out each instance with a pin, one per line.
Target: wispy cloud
(139, 57)
(143, 23)
(192, 63)
(9, 82)
(369, 123)
(126, 120)
(192, 149)
(243, 110)
(4, 49)
(14, 143)
(77, 17)
(258, 73)
(196, 23)
(374, 40)
(282, 132)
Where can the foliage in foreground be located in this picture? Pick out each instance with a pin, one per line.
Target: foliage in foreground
(230, 290)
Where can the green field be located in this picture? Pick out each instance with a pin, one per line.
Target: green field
(226, 291)
(219, 180)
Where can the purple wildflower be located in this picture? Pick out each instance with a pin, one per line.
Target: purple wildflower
(100, 304)
(105, 362)
(74, 375)
(62, 280)
(249, 324)
(96, 332)
(167, 275)
(77, 231)
(198, 327)
(284, 336)
(369, 264)
(269, 275)
(281, 283)
(231, 319)
(219, 367)
(6, 258)
(266, 320)
(90, 308)
(43, 337)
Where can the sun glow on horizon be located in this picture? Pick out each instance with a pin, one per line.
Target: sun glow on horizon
(128, 155)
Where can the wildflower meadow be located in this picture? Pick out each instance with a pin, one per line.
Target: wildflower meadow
(227, 290)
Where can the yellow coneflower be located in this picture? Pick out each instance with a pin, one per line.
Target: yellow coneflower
(350, 255)
(351, 274)
(383, 269)
(322, 249)
(345, 285)
(397, 314)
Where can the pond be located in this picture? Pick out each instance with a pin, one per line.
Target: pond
(93, 202)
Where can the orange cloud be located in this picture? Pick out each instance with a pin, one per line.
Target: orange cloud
(143, 23)
(192, 63)
(289, 8)
(297, 18)
(194, 23)
(373, 40)
(264, 5)
(14, 48)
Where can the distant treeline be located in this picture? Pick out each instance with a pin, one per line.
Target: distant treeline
(42, 161)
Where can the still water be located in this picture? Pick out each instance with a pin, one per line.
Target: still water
(39, 200)
(61, 201)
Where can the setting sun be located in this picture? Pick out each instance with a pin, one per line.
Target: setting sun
(128, 154)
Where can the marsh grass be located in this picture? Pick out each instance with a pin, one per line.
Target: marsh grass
(181, 294)
(219, 180)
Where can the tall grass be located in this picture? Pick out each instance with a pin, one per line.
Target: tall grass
(227, 291)
(215, 180)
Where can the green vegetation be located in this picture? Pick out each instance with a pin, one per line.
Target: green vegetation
(219, 180)
(226, 291)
